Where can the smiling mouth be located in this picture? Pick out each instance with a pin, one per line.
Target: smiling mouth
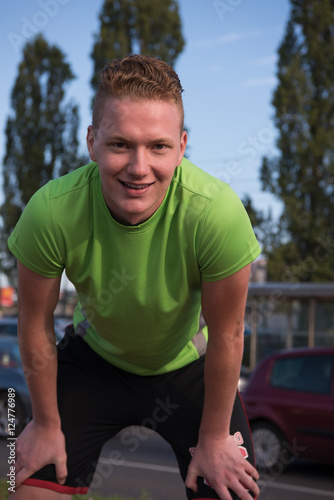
(137, 187)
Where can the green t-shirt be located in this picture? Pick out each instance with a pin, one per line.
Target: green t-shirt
(139, 287)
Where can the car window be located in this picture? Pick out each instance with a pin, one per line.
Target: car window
(9, 355)
(8, 328)
(303, 373)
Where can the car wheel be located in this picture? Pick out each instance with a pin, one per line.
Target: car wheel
(19, 418)
(269, 449)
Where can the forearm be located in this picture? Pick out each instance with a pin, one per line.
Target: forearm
(217, 456)
(222, 370)
(223, 306)
(39, 359)
(37, 300)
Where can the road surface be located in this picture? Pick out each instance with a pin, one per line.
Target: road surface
(140, 461)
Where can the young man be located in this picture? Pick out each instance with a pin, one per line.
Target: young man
(148, 240)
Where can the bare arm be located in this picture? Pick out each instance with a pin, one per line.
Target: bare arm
(217, 456)
(42, 441)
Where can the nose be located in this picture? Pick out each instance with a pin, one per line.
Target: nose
(139, 164)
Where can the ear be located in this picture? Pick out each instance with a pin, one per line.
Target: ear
(90, 140)
(183, 144)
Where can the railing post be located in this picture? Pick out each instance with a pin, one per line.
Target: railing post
(253, 337)
(289, 335)
(311, 323)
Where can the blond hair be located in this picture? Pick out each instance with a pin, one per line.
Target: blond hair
(138, 77)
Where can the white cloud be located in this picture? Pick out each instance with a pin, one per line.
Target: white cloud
(263, 61)
(259, 82)
(214, 42)
(222, 39)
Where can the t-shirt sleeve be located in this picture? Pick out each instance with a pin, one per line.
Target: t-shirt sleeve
(33, 241)
(227, 241)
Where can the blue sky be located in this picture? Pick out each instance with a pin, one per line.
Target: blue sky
(227, 69)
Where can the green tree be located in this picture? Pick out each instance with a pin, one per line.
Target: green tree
(150, 27)
(41, 134)
(302, 175)
(261, 223)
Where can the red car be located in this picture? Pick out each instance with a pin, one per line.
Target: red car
(289, 401)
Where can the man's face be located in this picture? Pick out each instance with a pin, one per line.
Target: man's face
(137, 147)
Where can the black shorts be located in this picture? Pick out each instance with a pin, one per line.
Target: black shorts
(96, 401)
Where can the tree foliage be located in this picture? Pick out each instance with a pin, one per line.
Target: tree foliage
(302, 175)
(261, 223)
(41, 133)
(150, 27)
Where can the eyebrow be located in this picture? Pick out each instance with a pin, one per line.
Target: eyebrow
(158, 140)
(163, 140)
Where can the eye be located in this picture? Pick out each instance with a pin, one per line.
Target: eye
(118, 146)
(160, 147)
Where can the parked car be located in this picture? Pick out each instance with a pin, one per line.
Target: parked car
(244, 377)
(289, 401)
(13, 388)
(8, 326)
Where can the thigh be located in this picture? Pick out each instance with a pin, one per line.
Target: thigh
(89, 394)
(35, 493)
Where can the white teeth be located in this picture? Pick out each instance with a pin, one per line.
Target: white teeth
(135, 186)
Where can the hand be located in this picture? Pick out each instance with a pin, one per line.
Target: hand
(221, 463)
(38, 446)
